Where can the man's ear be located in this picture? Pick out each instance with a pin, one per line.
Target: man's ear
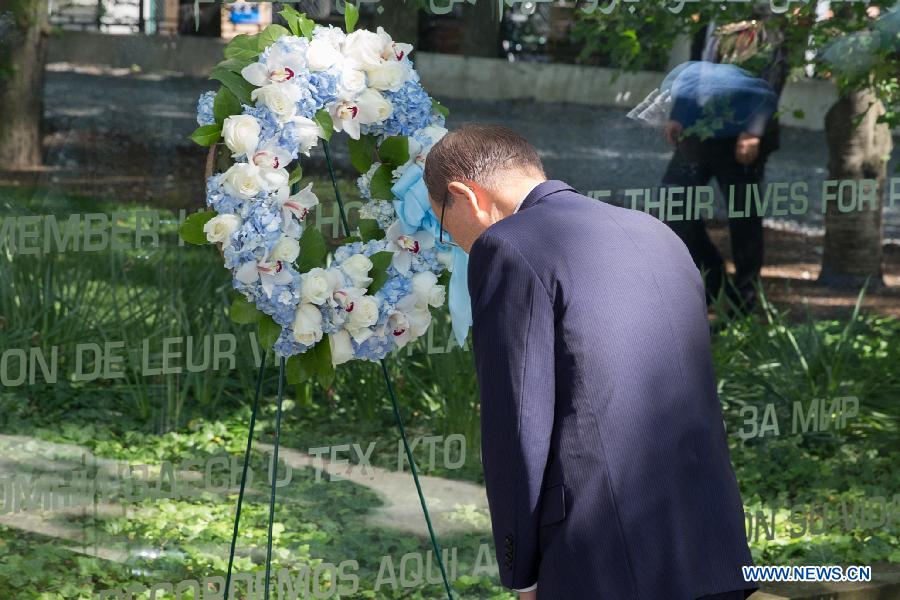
(460, 192)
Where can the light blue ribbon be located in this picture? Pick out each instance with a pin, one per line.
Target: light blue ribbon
(415, 214)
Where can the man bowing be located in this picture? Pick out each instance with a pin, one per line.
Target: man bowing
(604, 452)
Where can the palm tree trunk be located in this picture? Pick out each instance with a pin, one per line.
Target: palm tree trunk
(23, 46)
(853, 240)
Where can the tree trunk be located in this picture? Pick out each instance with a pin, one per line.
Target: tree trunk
(853, 239)
(23, 48)
(481, 29)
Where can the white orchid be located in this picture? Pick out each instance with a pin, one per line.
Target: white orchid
(281, 64)
(391, 50)
(266, 271)
(405, 246)
(398, 327)
(295, 206)
(348, 114)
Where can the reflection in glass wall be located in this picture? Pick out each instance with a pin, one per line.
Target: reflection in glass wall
(169, 306)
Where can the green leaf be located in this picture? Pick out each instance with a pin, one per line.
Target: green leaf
(294, 370)
(323, 118)
(314, 363)
(369, 230)
(268, 36)
(235, 65)
(380, 263)
(439, 108)
(191, 230)
(351, 16)
(292, 17)
(799, 114)
(321, 355)
(362, 151)
(239, 86)
(243, 312)
(269, 331)
(306, 26)
(394, 150)
(225, 105)
(380, 186)
(243, 47)
(207, 135)
(350, 239)
(444, 278)
(312, 249)
(296, 174)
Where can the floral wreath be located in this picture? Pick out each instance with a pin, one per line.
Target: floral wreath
(281, 90)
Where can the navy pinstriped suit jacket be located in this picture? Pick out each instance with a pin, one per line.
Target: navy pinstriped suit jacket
(605, 459)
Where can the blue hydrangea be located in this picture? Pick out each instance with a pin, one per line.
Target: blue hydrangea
(411, 111)
(375, 348)
(323, 90)
(218, 200)
(205, 108)
(284, 300)
(286, 345)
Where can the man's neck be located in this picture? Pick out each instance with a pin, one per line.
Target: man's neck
(514, 192)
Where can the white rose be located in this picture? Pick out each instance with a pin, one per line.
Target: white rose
(334, 36)
(390, 75)
(280, 98)
(363, 316)
(241, 134)
(286, 249)
(357, 268)
(373, 107)
(307, 324)
(307, 133)
(316, 286)
(438, 296)
(426, 290)
(322, 54)
(446, 259)
(434, 132)
(353, 81)
(419, 320)
(244, 180)
(219, 229)
(341, 347)
(362, 48)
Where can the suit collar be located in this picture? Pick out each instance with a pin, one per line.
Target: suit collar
(542, 190)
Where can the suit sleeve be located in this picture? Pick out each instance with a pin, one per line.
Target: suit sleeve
(513, 342)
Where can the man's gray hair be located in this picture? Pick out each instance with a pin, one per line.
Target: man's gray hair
(478, 153)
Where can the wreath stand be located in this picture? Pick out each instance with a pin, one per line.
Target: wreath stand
(210, 164)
